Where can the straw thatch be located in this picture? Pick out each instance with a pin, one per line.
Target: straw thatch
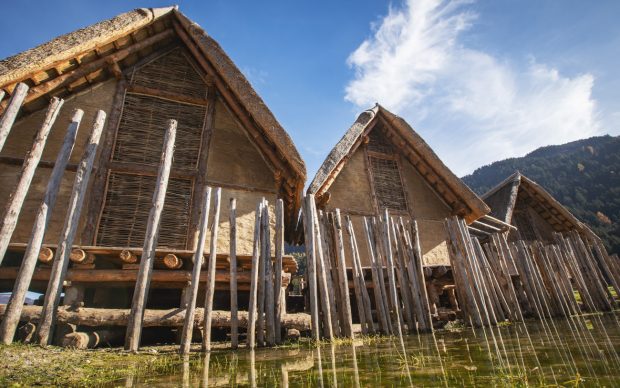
(504, 198)
(438, 173)
(70, 47)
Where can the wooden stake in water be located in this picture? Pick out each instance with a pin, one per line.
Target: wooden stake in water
(17, 197)
(363, 300)
(311, 266)
(269, 292)
(72, 219)
(344, 281)
(322, 275)
(190, 306)
(134, 325)
(251, 330)
(11, 111)
(379, 305)
(234, 324)
(210, 286)
(18, 296)
(391, 277)
(278, 269)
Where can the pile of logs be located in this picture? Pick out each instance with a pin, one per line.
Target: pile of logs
(399, 297)
(501, 280)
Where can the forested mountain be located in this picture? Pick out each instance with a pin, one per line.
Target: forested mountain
(583, 175)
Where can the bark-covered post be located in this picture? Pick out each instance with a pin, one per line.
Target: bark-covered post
(234, 324)
(311, 267)
(269, 291)
(10, 113)
(18, 296)
(210, 286)
(252, 310)
(260, 326)
(390, 270)
(278, 269)
(190, 307)
(344, 281)
(328, 330)
(134, 326)
(72, 219)
(17, 197)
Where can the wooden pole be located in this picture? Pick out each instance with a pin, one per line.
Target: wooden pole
(260, 326)
(251, 331)
(363, 300)
(311, 266)
(17, 197)
(210, 286)
(10, 113)
(390, 270)
(278, 269)
(328, 266)
(403, 281)
(347, 325)
(190, 306)
(29, 261)
(269, 289)
(379, 305)
(72, 219)
(328, 331)
(134, 328)
(234, 325)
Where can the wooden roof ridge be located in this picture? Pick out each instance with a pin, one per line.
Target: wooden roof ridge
(71, 45)
(450, 187)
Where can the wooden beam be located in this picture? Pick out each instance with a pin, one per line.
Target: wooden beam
(85, 69)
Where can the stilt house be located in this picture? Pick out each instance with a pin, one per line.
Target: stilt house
(534, 212)
(144, 67)
(381, 162)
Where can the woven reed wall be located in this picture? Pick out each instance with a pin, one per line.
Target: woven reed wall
(127, 205)
(172, 72)
(378, 142)
(388, 186)
(140, 134)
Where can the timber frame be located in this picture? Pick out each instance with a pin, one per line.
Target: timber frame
(110, 49)
(452, 191)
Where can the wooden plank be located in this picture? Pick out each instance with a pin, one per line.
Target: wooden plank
(190, 302)
(10, 113)
(17, 197)
(134, 328)
(72, 219)
(210, 286)
(44, 213)
(234, 324)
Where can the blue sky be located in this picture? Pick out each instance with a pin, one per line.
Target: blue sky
(479, 80)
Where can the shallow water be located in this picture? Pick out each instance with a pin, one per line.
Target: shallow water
(568, 352)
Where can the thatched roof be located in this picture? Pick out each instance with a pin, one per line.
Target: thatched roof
(71, 48)
(503, 199)
(455, 193)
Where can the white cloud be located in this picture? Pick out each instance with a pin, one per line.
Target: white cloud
(473, 107)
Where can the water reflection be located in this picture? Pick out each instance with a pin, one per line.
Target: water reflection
(560, 352)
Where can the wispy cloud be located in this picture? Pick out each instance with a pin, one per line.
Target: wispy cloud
(473, 107)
